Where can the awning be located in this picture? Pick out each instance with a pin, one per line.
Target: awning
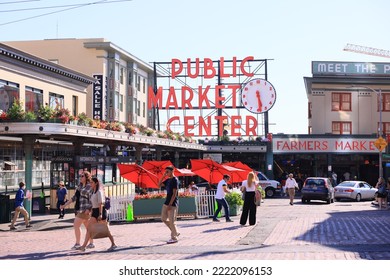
(9, 163)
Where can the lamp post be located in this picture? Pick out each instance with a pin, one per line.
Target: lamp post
(380, 130)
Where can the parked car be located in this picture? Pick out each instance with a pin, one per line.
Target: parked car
(355, 190)
(317, 188)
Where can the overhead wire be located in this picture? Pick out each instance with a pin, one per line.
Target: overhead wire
(72, 7)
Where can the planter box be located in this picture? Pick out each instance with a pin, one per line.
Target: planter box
(151, 208)
(235, 210)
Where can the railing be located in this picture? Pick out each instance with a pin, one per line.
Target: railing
(205, 205)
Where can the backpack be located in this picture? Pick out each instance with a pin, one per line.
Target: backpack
(107, 203)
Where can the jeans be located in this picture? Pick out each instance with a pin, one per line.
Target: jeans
(222, 203)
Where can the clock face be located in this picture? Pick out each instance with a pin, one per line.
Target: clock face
(258, 96)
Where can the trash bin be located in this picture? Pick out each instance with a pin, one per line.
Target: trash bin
(38, 205)
(5, 209)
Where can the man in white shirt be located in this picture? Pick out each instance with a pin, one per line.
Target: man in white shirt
(220, 198)
(291, 184)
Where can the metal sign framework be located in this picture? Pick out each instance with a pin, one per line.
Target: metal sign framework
(232, 102)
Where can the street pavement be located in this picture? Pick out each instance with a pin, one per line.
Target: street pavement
(317, 231)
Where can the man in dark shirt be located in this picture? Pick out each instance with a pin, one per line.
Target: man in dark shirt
(171, 204)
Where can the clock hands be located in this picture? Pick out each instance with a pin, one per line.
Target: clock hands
(259, 104)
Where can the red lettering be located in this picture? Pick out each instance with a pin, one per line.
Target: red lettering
(188, 126)
(209, 70)
(220, 120)
(235, 126)
(251, 125)
(168, 125)
(171, 99)
(204, 126)
(242, 66)
(175, 72)
(186, 102)
(219, 99)
(155, 100)
(203, 97)
(189, 67)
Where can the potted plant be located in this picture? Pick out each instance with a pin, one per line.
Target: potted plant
(30, 116)
(235, 202)
(45, 113)
(16, 112)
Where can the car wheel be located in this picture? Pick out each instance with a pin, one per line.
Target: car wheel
(328, 201)
(358, 197)
(303, 200)
(269, 192)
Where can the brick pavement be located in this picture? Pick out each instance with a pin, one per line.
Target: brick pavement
(340, 231)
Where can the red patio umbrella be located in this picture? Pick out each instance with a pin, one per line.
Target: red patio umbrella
(138, 175)
(239, 164)
(236, 174)
(209, 170)
(181, 172)
(157, 167)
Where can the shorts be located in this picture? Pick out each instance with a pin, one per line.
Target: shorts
(83, 215)
(95, 213)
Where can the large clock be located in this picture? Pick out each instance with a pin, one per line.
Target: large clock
(258, 96)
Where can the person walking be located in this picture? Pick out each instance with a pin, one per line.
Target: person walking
(61, 198)
(382, 193)
(249, 187)
(222, 190)
(19, 208)
(82, 199)
(291, 184)
(170, 207)
(99, 215)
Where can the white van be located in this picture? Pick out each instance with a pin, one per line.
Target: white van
(271, 187)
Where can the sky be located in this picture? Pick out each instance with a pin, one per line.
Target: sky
(291, 34)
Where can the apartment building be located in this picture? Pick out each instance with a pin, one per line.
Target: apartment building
(123, 79)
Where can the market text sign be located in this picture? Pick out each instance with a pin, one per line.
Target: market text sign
(187, 97)
(318, 145)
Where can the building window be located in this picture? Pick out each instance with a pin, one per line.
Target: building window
(386, 101)
(144, 109)
(56, 101)
(341, 128)
(386, 128)
(33, 100)
(309, 110)
(341, 101)
(138, 108)
(121, 102)
(8, 93)
(143, 85)
(121, 75)
(139, 83)
(74, 105)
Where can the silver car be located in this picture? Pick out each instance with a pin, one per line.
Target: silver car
(355, 190)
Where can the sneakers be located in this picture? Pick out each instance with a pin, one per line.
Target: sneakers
(112, 248)
(81, 248)
(76, 246)
(12, 227)
(216, 220)
(91, 246)
(229, 221)
(171, 241)
(28, 226)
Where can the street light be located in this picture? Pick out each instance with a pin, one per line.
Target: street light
(379, 94)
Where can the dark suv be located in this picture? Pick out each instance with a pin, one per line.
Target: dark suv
(317, 188)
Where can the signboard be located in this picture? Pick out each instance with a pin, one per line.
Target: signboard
(203, 97)
(350, 68)
(324, 145)
(380, 144)
(97, 102)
